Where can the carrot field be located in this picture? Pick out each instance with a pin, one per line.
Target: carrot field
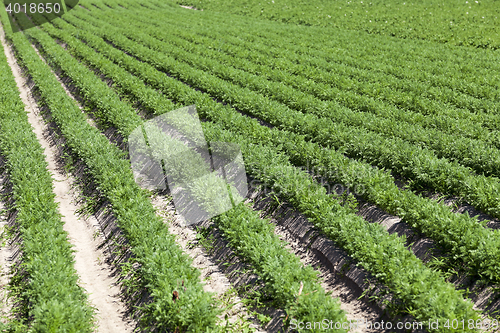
(363, 193)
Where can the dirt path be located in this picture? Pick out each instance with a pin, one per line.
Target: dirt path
(6, 257)
(95, 275)
(215, 280)
(342, 279)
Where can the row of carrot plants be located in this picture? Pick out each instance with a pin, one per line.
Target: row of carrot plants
(253, 237)
(161, 264)
(406, 88)
(265, 163)
(44, 285)
(332, 86)
(415, 163)
(381, 56)
(467, 239)
(424, 57)
(339, 81)
(425, 19)
(481, 157)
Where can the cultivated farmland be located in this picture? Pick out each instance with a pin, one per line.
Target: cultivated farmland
(371, 153)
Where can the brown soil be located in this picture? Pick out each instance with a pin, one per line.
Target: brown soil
(7, 253)
(211, 274)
